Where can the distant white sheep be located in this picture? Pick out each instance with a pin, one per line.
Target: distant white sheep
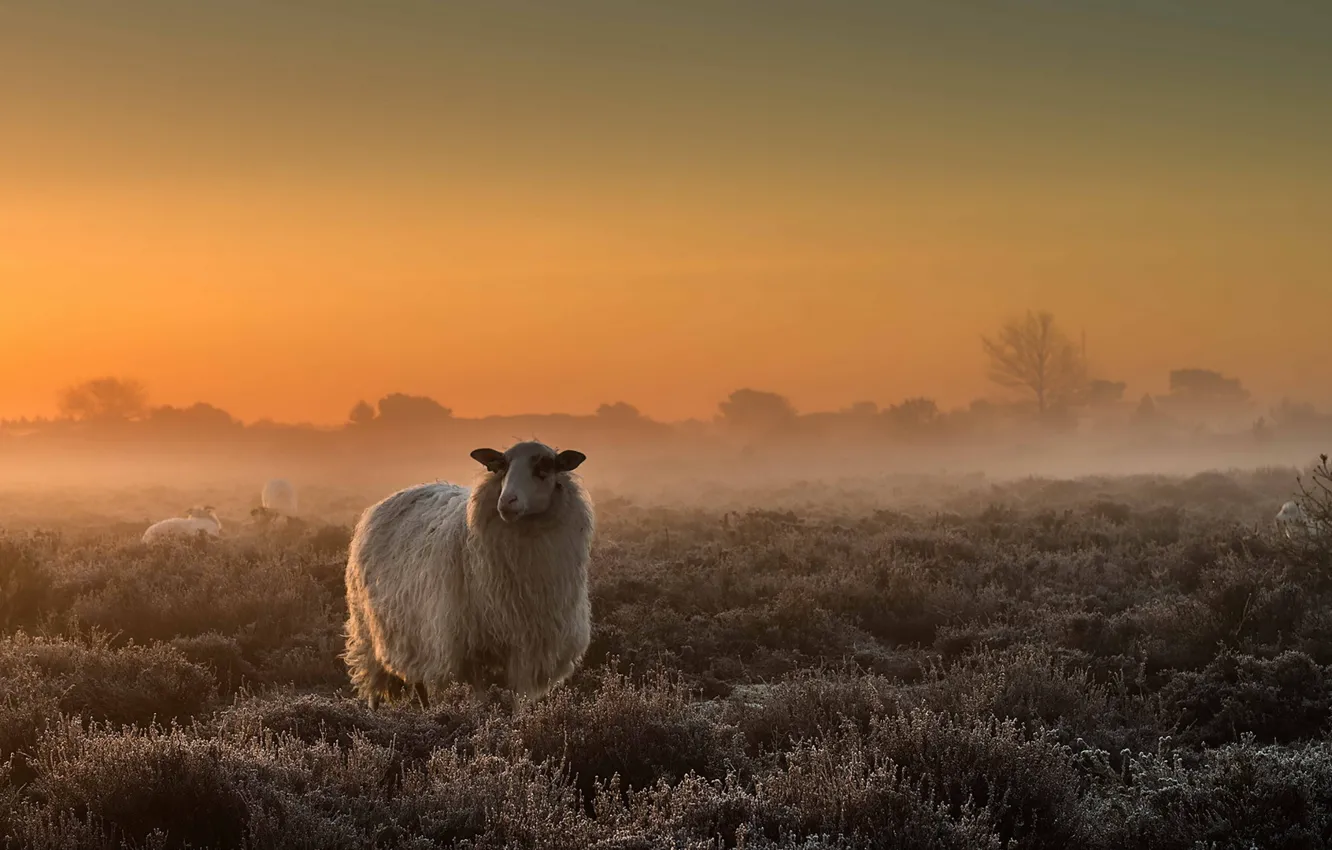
(196, 520)
(1292, 519)
(484, 586)
(279, 496)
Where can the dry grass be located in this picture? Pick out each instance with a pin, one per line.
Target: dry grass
(1107, 663)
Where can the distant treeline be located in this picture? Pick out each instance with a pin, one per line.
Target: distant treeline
(116, 410)
(1049, 383)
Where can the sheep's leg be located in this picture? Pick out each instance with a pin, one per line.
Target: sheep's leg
(535, 678)
(422, 694)
(563, 670)
(520, 675)
(369, 677)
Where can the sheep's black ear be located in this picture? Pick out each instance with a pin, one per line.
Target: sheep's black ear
(490, 459)
(569, 460)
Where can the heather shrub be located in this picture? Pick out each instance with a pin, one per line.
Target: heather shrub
(1278, 700)
(1238, 796)
(129, 684)
(640, 733)
(27, 704)
(922, 776)
(806, 705)
(25, 583)
(220, 654)
(1113, 662)
(167, 591)
(1028, 684)
(97, 787)
(412, 734)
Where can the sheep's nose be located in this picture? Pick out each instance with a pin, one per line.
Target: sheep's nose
(509, 500)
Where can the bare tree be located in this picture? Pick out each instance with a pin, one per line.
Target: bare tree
(104, 400)
(1031, 354)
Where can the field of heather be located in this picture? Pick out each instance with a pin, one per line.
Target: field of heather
(1099, 663)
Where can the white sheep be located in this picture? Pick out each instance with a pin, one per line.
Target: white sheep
(196, 520)
(279, 497)
(1293, 519)
(484, 586)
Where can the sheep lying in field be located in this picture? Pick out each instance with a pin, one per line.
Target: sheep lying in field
(485, 586)
(196, 520)
(279, 497)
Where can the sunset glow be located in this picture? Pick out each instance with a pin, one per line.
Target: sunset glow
(281, 209)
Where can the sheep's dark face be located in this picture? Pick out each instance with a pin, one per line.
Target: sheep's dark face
(532, 473)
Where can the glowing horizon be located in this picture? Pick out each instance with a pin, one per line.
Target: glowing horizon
(281, 211)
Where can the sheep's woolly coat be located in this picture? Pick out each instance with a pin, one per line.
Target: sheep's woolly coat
(182, 526)
(440, 588)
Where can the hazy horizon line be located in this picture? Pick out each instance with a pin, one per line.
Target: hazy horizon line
(1259, 405)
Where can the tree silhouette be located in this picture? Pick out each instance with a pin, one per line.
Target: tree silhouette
(1102, 393)
(756, 410)
(361, 414)
(403, 409)
(1146, 409)
(104, 400)
(1204, 392)
(1299, 415)
(1031, 354)
(619, 412)
(913, 414)
(199, 416)
(1207, 385)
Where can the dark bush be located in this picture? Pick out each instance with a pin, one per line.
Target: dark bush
(25, 584)
(1280, 700)
(130, 684)
(922, 777)
(1240, 796)
(129, 786)
(640, 733)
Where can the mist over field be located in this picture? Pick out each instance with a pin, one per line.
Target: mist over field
(1052, 617)
(799, 640)
(111, 436)
(949, 383)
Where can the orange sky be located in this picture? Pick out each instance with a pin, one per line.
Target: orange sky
(282, 208)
